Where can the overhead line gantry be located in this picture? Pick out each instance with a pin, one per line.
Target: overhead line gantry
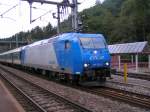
(63, 4)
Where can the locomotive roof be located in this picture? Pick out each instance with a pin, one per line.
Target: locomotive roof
(12, 51)
(64, 36)
(73, 36)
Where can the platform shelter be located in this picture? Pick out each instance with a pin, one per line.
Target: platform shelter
(132, 50)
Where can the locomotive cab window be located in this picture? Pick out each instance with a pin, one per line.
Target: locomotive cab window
(67, 44)
(92, 43)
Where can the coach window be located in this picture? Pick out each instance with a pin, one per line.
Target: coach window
(67, 44)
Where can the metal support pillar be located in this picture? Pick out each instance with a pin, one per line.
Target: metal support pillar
(10, 45)
(132, 59)
(58, 19)
(30, 3)
(119, 60)
(74, 9)
(16, 41)
(75, 15)
(136, 63)
(149, 61)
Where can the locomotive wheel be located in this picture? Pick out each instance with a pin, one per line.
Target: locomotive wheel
(102, 79)
(75, 79)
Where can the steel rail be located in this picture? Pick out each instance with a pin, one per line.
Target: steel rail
(121, 95)
(67, 101)
(128, 84)
(38, 107)
(135, 75)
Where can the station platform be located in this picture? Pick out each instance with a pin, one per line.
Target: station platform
(7, 102)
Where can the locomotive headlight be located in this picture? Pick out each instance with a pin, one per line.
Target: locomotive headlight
(95, 52)
(85, 65)
(107, 63)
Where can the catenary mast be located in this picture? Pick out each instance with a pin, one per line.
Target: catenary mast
(64, 3)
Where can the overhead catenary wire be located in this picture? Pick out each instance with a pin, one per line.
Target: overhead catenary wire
(19, 18)
(38, 8)
(9, 18)
(4, 4)
(41, 16)
(8, 10)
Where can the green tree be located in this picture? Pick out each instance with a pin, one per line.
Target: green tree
(137, 10)
(48, 31)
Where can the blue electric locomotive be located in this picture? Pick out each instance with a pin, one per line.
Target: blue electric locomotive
(86, 56)
(72, 56)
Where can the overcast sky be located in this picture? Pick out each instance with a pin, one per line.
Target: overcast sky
(18, 19)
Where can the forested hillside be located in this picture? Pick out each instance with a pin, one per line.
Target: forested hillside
(35, 34)
(119, 20)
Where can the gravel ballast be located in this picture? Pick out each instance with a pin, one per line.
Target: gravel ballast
(92, 102)
(133, 85)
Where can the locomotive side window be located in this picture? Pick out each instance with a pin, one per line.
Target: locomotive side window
(95, 42)
(67, 44)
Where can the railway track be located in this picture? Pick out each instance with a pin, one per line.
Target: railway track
(128, 84)
(128, 97)
(42, 99)
(134, 75)
(125, 96)
(27, 103)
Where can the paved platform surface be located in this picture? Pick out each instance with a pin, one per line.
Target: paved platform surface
(7, 102)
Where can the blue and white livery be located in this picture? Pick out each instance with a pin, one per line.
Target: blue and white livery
(75, 56)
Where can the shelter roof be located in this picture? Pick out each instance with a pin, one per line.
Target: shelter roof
(129, 48)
